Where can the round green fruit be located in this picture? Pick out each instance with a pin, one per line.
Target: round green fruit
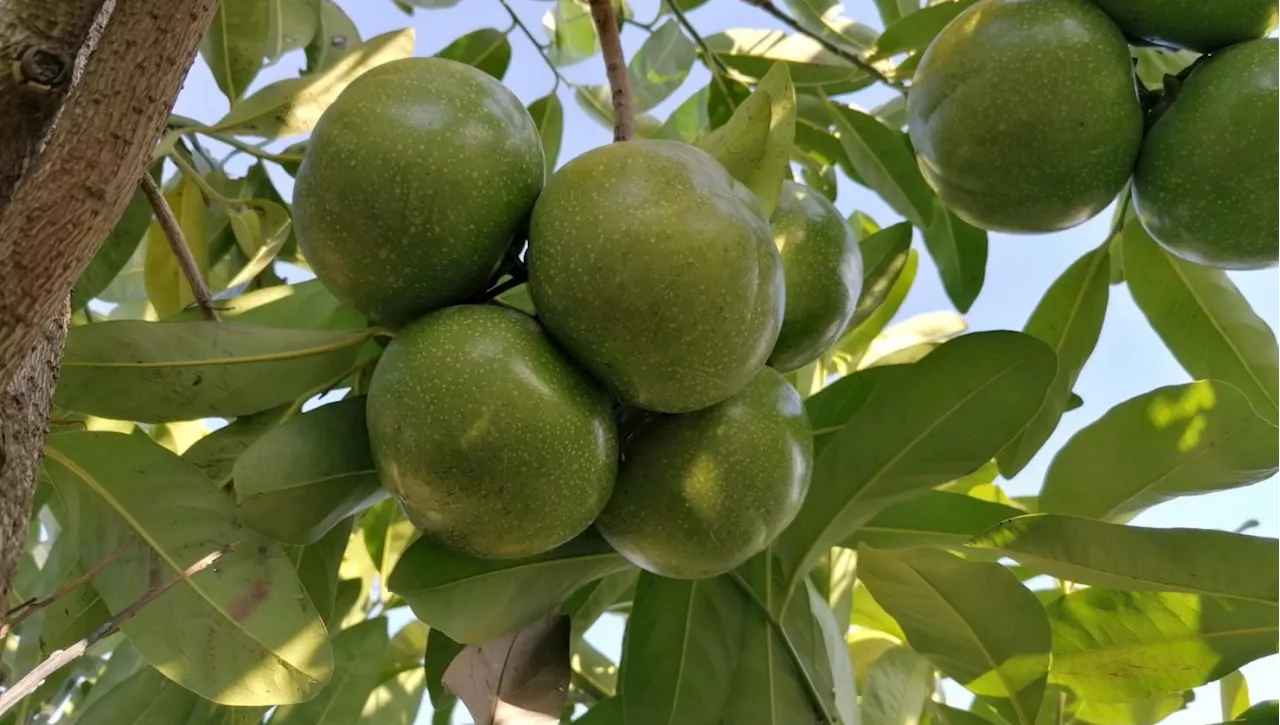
(656, 270)
(822, 263)
(1024, 114)
(495, 444)
(414, 184)
(1200, 25)
(1206, 181)
(700, 493)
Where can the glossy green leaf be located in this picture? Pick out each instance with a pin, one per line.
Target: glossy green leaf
(335, 36)
(884, 257)
(318, 566)
(239, 633)
(476, 600)
(660, 66)
(293, 106)
(1261, 712)
(74, 615)
(572, 33)
(882, 158)
(960, 252)
(300, 479)
(548, 115)
(593, 600)
(932, 519)
(115, 251)
(145, 698)
(1196, 561)
(167, 286)
(899, 683)
(937, 420)
(1069, 318)
(216, 453)
(829, 410)
(1124, 646)
(755, 145)
(292, 24)
(913, 33)
(1173, 441)
(162, 371)
(235, 44)
(848, 352)
(357, 653)
(750, 54)
(487, 49)
(975, 622)
(1204, 321)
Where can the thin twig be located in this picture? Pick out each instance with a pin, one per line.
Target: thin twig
(615, 67)
(19, 614)
(714, 64)
(853, 58)
(61, 658)
(540, 47)
(178, 243)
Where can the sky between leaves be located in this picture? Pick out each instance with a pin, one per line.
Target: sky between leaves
(1129, 359)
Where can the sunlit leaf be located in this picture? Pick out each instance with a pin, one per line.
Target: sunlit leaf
(145, 698)
(548, 115)
(487, 49)
(882, 157)
(884, 256)
(898, 684)
(357, 654)
(235, 44)
(755, 145)
(334, 37)
(750, 54)
(572, 33)
(660, 66)
(167, 285)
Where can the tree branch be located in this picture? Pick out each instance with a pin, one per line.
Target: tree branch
(61, 658)
(22, 612)
(615, 66)
(181, 250)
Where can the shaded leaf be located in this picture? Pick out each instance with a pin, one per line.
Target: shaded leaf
(931, 519)
(303, 306)
(487, 49)
(848, 352)
(755, 145)
(335, 36)
(72, 616)
(884, 256)
(522, 677)
(548, 115)
(882, 158)
(960, 252)
(913, 33)
(660, 66)
(167, 286)
(292, 25)
(593, 600)
(899, 683)
(357, 654)
(318, 566)
(750, 54)
(572, 33)
(831, 408)
(235, 43)
(216, 453)
(387, 532)
(115, 251)
(261, 231)
(440, 653)
(145, 698)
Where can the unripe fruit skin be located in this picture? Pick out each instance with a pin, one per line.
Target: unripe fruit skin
(700, 493)
(1200, 25)
(1024, 114)
(495, 443)
(1205, 186)
(822, 263)
(656, 270)
(414, 184)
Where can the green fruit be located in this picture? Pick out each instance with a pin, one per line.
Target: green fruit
(495, 443)
(414, 184)
(1025, 115)
(656, 270)
(1206, 181)
(823, 266)
(1199, 25)
(700, 493)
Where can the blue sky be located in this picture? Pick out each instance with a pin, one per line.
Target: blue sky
(1129, 359)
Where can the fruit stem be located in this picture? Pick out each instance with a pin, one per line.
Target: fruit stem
(615, 66)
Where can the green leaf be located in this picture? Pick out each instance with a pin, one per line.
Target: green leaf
(913, 33)
(1119, 646)
(358, 653)
(1194, 561)
(1143, 712)
(299, 480)
(594, 599)
(440, 653)
(975, 622)
(660, 66)
(1069, 318)
(292, 25)
(884, 257)
(235, 44)
(216, 453)
(303, 306)
(755, 145)
(1173, 441)
(475, 600)
(833, 579)
(609, 712)
(115, 252)
(937, 420)
(487, 49)
(293, 106)
(831, 408)
(396, 701)
(690, 121)
(74, 615)
(943, 714)
(1235, 695)
(261, 231)
(750, 54)
(548, 114)
(960, 252)
(932, 519)
(591, 665)
(387, 532)
(681, 650)
(913, 338)
(318, 566)
(882, 158)
(899, 684)
(1267, 709)
(848, 352)
(241, 633)
(335, 36)
(1204, 321)
(167, 286)
(163, 371)
(145, 698)
(572, 33)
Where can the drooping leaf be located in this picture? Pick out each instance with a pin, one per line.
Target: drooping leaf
(899, 683)
(1069, 318)
(239, 633)
(974, 620)
(548, 115)
(167, 286)
(932, 519)
(335, 36)
(235, 44)
(913, 33)
(937, 420)
(660, 66)
(486, 49)
(848, 352)
(115, 251)
(882, 158)
(1173, 441)
(572, 33)
(755, 145)
(960, 251)
(156, 372)
(1204, 321)
(751, 53)
(357, 654)
(884, 256)
(475, 600)
(1196, 561)
(261, 231)
(293, 106)
(298, 480)
(292, 25)
(1125, 646)
(522, 677)
(145, 698)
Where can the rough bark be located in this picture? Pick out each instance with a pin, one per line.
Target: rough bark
(97, 150)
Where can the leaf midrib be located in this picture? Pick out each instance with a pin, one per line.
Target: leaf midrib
(521, 567)
(304, 483)
(350, 340)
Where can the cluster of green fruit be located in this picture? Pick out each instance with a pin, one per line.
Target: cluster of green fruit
(645, 398)
(1025, 118)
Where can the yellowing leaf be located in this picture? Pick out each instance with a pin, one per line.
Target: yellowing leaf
(167, 287)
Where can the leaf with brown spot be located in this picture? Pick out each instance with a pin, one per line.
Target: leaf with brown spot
(519, 679)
